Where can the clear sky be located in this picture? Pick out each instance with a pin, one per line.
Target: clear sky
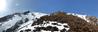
(89, 7)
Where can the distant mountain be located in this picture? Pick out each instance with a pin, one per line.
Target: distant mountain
(54, 22)
(12, 22)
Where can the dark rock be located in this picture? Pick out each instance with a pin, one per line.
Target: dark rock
(26, 20)
(6, 18)
(63, 30)
(25, 13)
(28, 30)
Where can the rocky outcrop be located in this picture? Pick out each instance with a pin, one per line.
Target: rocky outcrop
(92, 20)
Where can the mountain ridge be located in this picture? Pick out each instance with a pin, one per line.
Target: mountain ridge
(27, 18)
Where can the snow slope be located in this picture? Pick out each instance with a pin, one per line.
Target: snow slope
(60, 26)
(19, 19)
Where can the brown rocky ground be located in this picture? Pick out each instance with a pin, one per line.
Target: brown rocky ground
(76, 24)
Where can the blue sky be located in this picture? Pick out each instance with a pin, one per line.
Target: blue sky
(89, 7)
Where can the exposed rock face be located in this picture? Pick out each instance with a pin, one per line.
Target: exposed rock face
(6, 18)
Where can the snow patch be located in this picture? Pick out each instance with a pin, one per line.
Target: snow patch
(60, 26)
(78, 15)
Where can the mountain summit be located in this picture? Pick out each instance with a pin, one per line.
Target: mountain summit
(54, 22)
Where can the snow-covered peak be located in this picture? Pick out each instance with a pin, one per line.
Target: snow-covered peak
(18, 20)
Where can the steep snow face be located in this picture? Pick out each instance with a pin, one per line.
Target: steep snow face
(46, 26)
(10, 23)
(78, 15)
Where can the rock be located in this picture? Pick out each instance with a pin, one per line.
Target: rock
(92, 19)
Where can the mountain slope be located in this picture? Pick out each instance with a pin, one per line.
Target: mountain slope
(18, 19)
(61, 22)
(41, 22)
